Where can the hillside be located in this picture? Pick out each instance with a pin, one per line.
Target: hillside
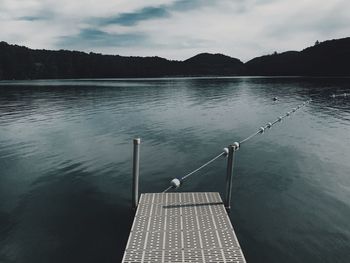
(18, 62)
(204, 63)
(329, 58)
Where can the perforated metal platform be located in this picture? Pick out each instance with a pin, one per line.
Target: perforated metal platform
(182, 227)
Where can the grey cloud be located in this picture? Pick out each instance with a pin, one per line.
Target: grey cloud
(264, 2)
(321, 22)
(97, 38)
(36, 17)
(184, 42)
(334, 20)
(184, 5)
(43, 13)
(130, 19)
(323, 25)
(152, 12)
(32, 18)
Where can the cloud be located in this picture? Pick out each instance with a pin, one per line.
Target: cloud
(185, 5)
(32, 18)
(130, 19)
(152, 12)
(175, 29)
(97, 38)
(38, 16)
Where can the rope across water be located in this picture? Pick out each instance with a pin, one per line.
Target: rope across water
(270, 124)
(176, 182)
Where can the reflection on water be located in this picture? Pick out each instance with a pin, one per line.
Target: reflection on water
(65, 161)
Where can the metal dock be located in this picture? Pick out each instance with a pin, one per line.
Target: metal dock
(182, 227)
(186, 227)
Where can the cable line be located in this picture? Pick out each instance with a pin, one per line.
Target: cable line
(176, 182)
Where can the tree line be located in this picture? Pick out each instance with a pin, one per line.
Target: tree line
(328, 58)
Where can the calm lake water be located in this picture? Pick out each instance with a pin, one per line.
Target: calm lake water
(66, 158)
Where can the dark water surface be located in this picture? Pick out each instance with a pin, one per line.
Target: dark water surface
(66, 151)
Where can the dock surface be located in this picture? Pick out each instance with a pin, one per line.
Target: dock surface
(182, 227)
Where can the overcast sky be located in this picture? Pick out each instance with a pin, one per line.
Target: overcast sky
(175, 29)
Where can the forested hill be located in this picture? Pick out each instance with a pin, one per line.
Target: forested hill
(18, 62)
(329, 58)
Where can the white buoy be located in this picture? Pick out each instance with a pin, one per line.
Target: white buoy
(236, 145)
(225, 151)
(175, 183)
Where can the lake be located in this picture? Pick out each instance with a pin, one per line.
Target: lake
(66, 160)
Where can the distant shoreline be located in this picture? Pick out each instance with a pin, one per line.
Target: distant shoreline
(47, 81)
(326, 59)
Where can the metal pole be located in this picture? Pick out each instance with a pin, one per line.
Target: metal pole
(229, 172)
(136, 173)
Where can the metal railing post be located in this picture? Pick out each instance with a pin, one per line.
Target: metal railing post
(229, 172)
(136, 173)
